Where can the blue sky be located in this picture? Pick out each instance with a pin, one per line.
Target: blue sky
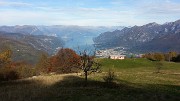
(88, 12)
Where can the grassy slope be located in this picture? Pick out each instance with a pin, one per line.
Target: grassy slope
(125, 64)
(143, 71)
(26, 52)
(136, 81)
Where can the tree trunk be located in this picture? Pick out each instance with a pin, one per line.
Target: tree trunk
(86, 77)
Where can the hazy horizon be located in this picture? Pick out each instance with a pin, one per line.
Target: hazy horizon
(88, 12)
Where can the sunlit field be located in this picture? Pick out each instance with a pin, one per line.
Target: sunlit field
(136, 80)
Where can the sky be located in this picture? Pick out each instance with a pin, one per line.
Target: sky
(88, 12)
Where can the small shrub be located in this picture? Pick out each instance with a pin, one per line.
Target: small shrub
(26, 71)
(110, 76)
(158, 66)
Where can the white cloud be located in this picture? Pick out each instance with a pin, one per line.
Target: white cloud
(15, 17)
(8, 3)
(140, 13)
(92, 9)
(167, 7)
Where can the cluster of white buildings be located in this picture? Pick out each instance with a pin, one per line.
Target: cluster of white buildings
(110, 53)
(120, 57)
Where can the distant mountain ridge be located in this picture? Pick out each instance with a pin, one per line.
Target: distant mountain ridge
(29, 47)
(71, 35)
(25, 29)
(144, 38)
(28, 41)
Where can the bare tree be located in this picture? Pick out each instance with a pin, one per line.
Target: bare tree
(88, 64)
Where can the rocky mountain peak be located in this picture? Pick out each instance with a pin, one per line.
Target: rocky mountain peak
(140, 35)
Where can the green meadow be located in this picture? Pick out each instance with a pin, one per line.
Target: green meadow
(135, 80)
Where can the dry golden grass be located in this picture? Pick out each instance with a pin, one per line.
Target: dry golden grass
(49, 79)
(132, 84)
(69, 87)
(30, 88)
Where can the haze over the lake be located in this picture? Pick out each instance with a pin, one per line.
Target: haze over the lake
(88, 12)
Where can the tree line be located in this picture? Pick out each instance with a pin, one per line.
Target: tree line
(64, 61)
(170, 56)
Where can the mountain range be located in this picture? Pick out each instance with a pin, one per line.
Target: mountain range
(72, 35)
(151, 37)
(28, 41)
(28, 47)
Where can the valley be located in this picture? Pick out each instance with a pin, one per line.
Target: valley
(151, 37)
(89, 50)
(29, 40)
